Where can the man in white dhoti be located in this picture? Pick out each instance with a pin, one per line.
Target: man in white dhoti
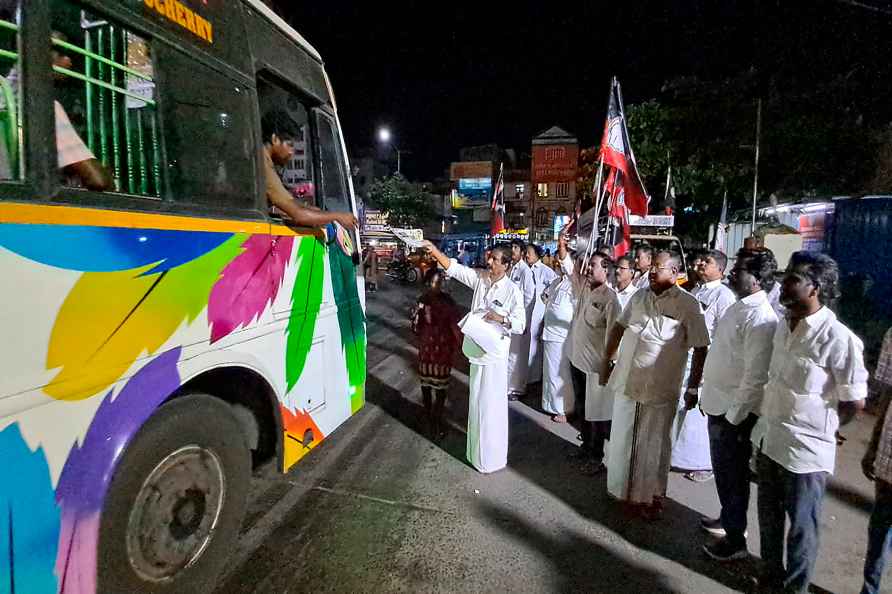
(557, 381)
(653, 336)
(498, 301)
(690, 449)
(542, 277)
(519, 358)
(624, 275)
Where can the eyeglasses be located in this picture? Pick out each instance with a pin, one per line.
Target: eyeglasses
(623, 268)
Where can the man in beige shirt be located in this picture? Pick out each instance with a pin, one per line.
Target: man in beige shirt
(278, 149)
(653, 334)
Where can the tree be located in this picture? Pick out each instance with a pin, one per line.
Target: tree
(406, 204)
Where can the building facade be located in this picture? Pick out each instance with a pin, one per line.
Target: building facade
(553, 183)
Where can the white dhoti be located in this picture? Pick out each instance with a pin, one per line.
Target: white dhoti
(598, 399)
(640, 448)
(537, 347)
(690, 435)
(518, 363)
(557, 381)
(487, 449)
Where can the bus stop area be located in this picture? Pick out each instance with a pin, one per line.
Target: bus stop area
(379, 507)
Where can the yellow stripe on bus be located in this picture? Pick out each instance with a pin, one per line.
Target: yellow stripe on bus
(45, 214)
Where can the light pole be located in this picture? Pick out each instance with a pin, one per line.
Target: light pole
(385, 137)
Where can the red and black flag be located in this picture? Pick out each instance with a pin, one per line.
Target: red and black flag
(616, 150)
(497, 217)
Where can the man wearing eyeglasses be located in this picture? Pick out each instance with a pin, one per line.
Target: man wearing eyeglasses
(625, 274)
(651, 340)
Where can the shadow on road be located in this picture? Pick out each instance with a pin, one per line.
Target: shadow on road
(542, 458)
(581, 565)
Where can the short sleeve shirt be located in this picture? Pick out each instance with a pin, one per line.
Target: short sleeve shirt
(813, 368)
(660, 331)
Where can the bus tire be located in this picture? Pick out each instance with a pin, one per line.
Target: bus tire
(176, 501)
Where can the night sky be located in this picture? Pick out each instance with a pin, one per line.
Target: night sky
(447, 75)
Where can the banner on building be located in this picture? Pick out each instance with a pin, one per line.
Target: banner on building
(555, 163)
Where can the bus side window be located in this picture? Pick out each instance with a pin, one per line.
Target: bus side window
(335, 196)
(107, 132)
(11, 165)
(284, 114)
(208, 135)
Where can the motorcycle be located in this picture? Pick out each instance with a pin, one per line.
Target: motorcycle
(402, 271)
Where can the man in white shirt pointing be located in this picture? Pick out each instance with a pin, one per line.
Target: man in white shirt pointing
(734, 376)
(495, 294)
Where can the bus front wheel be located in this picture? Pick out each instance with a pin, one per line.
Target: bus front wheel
(176, 501)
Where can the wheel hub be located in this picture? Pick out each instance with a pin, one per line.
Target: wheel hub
(175, 513)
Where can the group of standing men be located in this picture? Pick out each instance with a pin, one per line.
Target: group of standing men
(621, 342)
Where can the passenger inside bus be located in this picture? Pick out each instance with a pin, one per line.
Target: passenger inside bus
(278, 149)
(75, 160)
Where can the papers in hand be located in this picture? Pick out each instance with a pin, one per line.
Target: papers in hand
(414, 238)
(489, 336)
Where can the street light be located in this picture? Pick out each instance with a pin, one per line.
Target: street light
(386, 138)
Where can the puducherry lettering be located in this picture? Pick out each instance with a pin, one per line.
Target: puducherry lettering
(183, 16)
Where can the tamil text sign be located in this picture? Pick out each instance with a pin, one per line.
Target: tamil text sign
(555, 163)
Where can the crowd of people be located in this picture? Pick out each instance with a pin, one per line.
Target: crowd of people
(725, 374)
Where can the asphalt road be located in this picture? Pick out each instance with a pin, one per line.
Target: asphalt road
(379, 507)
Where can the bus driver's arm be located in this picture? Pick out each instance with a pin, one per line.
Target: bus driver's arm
(302, 216)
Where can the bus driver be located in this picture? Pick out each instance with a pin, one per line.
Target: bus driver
(278, 149)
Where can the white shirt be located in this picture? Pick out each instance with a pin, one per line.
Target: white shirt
(626, 294)
(502, 295)
(660, 330)
(736, 369)
(560, 303)
(522, 276)
(642, 282)
(715, 298)
(542, 277)
(813, 369)
(596, 311)
(774, 300)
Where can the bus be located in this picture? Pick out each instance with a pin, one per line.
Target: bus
(168, 334)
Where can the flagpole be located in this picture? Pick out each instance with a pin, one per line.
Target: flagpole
(756, 174)
(593, 236)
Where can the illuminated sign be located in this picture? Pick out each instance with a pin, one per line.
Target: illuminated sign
(560, 221)
(183, 16)
(652, 221)
(472, 192)
(375, 220)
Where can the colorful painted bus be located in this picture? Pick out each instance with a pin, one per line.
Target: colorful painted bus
(163, 337)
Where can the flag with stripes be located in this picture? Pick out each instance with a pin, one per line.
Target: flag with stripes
(497, 218)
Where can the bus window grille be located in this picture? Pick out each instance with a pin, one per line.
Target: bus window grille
(120, 105)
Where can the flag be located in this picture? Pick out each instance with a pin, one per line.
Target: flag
(721, 230)
(497, 218)
(616, 150)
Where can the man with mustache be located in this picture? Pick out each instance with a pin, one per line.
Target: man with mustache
(816, 382)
